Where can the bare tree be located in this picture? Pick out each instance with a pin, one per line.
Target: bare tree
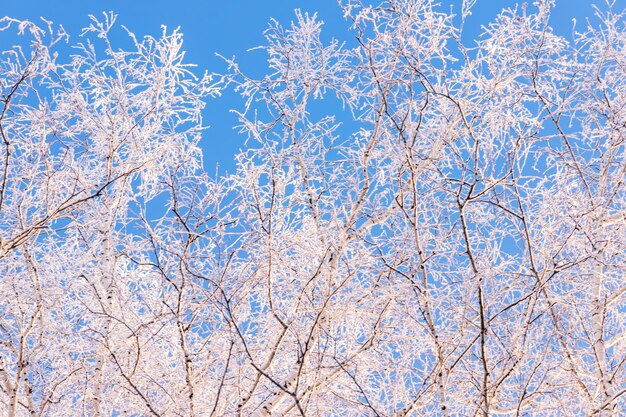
(87, 144)
(419, 224)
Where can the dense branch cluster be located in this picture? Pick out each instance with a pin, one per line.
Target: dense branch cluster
(420, 224)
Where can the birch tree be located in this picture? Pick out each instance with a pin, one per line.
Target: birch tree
(419, 223)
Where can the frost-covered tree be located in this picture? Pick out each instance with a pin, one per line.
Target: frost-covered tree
(87, 143)
(420, 224)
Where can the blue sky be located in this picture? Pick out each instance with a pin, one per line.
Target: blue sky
(231, 27)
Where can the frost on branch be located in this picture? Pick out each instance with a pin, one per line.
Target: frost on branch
(420, 224)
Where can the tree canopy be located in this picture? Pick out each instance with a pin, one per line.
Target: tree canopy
(419, 224)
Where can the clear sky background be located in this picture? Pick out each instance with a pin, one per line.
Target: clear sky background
(231, 27)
